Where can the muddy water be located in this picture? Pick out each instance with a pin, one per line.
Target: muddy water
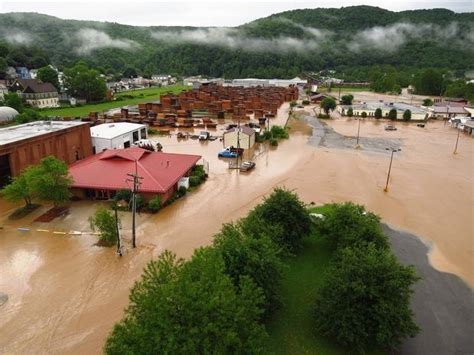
(65, 294)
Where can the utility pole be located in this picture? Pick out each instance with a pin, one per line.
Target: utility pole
(358, 132)
(136, 183)
(457, 140)
(238, 142)
(390, 166)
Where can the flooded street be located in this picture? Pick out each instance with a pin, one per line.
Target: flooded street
(65, 294)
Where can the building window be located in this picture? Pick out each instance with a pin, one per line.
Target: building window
(135, 137)
(143, 133)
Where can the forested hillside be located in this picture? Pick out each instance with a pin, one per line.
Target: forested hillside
(349, 39)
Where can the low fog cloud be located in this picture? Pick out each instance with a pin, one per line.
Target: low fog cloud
(390, 38)
(90, 39)
(234, 39)
(16, 36)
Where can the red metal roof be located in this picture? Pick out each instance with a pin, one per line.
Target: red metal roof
(108, 170)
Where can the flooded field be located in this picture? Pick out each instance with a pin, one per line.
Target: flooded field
(65, 294)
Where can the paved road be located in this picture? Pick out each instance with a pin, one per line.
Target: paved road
(325, 136)
(443, 303)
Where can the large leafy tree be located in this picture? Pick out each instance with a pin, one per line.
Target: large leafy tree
(364, 302)
(14, 101)
(49, 75)
(349, 225)
(190, 308)
(50, 180)
(257, 258)
(347, 99)
(282, 217)
(20, 188)
(83, 82)
(328, 104)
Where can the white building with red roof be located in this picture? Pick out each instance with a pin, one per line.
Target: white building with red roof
(100, 176)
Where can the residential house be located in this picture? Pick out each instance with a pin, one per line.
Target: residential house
(36, 93)
(23, 73)
(448, 109)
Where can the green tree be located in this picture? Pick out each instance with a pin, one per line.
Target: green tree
(364, 303)
(130, 72)
(347, 99)
(348, 225)
(350, 112)
(104, 222)
(378, 113)
(282, 217)
(49, 75)
(14, 101)
(154, 205)
(50, 180)
(20, 188)
(85, 83)
(407, 115)
(363, 114)
(28, 115)
(3, 67)
(190, 308)
(427, 102)
(392, 114)
(328, 104)
(429, 82)
(257, 258)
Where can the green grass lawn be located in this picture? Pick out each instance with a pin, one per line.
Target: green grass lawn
(291, 328)
(335, 90)
(128, 98)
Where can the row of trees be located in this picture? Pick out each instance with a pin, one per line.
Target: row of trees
(218, 301)
(364, 303)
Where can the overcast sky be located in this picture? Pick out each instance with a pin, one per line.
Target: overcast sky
(201, 13)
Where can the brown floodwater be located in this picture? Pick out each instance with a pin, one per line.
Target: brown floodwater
(65, 294)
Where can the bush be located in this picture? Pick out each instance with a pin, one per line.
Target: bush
(154, 205)
(305, 102)
(323, 116)
(347, 99)
(194, 181)
(181, 191)
(152, 131)
(27, 115)
(124, 194)
(282, 217)
(140, 202)
(364, 302)
(363, 114)
(350, 112)
(349, 225)
(427, 102)
(267, 135)
(190, 308)
(273, 142)
(407, 115)
(378, 113)
(103, 221)
(279, 132)
(392, 114)
(257, 258)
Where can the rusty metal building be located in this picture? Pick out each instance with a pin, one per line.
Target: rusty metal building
(26, 144)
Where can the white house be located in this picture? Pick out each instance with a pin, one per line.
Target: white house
(243, 137)
(116, 135)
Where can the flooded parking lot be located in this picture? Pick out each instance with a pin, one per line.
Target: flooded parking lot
(65, 293)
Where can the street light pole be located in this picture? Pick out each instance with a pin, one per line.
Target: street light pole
(457, 140)
(390, 166)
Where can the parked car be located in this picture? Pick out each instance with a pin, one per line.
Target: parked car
(422, 125)
(204, 136)
(247, 165)
(227, 153)
(390, 128)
